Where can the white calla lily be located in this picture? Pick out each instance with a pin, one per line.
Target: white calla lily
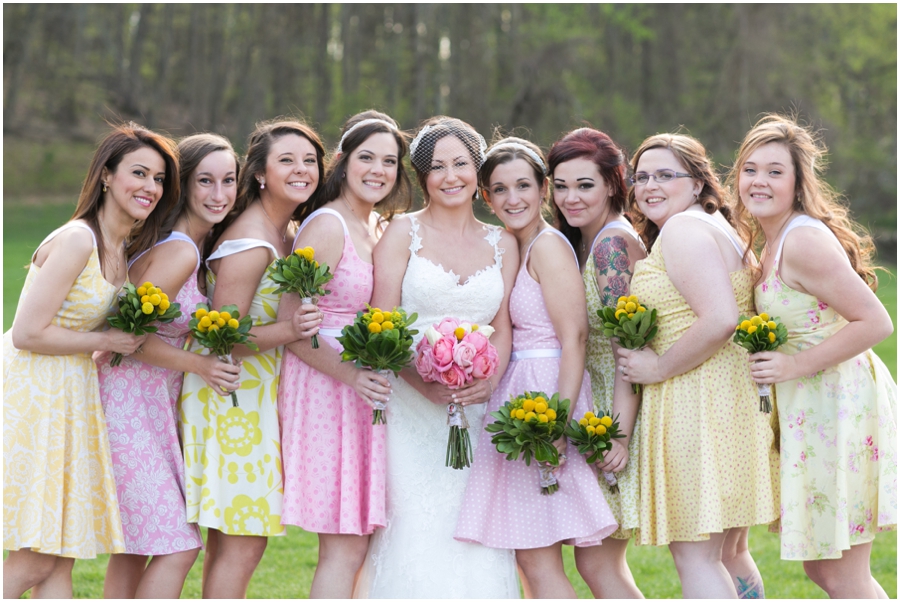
(486, 330)
(432, 334)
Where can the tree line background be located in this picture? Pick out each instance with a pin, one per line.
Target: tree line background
(630, 70)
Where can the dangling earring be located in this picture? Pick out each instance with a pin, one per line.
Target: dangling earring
(262, 184)
(104, 187)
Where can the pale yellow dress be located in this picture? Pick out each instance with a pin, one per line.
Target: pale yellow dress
(232, 455)
(59, 494)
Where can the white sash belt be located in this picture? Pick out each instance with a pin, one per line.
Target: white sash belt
(529, 354)
(330, 332)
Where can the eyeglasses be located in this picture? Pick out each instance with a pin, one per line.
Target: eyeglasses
(662, 175)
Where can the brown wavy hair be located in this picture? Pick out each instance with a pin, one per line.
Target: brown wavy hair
(692, 155)
(124, 139)
(812, 194)
(399, 200)
(441, 127)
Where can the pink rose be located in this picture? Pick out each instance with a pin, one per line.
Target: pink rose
(448, 326)
(478, 340)
(454, 377)
(443, 353)
(463, 354)
(425, 364)
(485, 363)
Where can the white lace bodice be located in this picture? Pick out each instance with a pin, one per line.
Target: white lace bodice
(435, 293)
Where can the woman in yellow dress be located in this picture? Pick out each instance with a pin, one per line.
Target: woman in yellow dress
(233, 454)
(59, 494)
(705, 464)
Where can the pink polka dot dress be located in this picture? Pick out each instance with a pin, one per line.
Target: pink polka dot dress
(503, 506)
(707, 457)
(334, 457)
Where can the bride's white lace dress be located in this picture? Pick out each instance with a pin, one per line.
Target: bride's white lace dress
(415, 556)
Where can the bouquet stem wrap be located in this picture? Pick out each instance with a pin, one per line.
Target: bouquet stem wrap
(549, 485)
(612, 481)
(761, 333)
(229, 360)
(765, 400)
(459, 447)
(313, 301)
(378, 406)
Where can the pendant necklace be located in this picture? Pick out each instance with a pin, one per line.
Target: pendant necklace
(283, 236)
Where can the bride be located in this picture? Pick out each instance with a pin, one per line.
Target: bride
(439, 262)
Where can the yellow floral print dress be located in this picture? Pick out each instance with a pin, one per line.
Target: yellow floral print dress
(59, 493)
(707, 457)
(232, 455)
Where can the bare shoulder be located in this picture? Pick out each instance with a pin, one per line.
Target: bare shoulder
(325, 226)
(76, 245)
(397, 233)
(552, 248)
(813, 252)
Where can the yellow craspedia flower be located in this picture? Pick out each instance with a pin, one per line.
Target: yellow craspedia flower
(631, 307)
(298, 252)
(225, 315)
(142, 290)
(751, 330)
(772, 325)
(213, 327)
(387, 326)
(633, 298)
(232, 323)
(771, 337)
(310, 253)
(374, 327)
(147, 308)
(606, 421)
(164, 305)
(397, 318)
(164, 296)
(375, 310)
(641, 309)
(145, 299)
(520, 414)
(543, 418)
(551, 414)
(756, 320)
(528, 404)
(460, 332)
(619, 312)
(213, 315)
(315, 263)
(738, 327)
(221, 322)
(155, 299)
(630, 316)
(540, 399)
(594, 421)
(591, 430)
(152, 290)
(474, 327)
(600, 429)
(540, 407)
(529, 416)
(764, 317)
(622, 299)
(147, 284)
(377, 317)
(745, 325)
(583, 422)
(200, 313)
(621, 304)
(205, 322)
(588, 415)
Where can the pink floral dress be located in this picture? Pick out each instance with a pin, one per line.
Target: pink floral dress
(334, 457)
(139, 402)
(838, 431)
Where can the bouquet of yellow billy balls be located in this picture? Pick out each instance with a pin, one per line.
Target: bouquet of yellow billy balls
(300, 273)
(631, 323)
(592, 436)
(528, 425)
(139, 308)
(219, 331)
(761, 333)
(381, 341)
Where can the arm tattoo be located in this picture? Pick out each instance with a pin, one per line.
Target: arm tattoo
(751, 587)
(614, 266)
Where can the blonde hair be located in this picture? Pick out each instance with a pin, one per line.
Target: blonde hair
(812, 194)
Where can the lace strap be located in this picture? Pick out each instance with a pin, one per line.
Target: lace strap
(704, 217)
(175, 235)
(415, 242)
(801, 221)
(493, 237)
(238, 245)
(621, 225)
(316, 213)
(553, 231)
(62, 228)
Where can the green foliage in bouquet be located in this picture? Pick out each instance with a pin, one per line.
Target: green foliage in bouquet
(219, 331)
(528, 425)
(761, 333)
(593, 436)
(379, 340)
(139, 309)
(300, 273)
(632, 324)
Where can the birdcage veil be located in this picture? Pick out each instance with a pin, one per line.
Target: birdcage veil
(421, 150)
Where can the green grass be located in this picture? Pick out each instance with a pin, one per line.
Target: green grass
(286, 569)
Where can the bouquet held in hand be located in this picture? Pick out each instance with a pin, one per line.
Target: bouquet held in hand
(761, 333)
(139, 308)
(381, 341)
(300, 273)
(593, 436)
(455, 354)
(219, 331)
(630, 323)
(529, 424)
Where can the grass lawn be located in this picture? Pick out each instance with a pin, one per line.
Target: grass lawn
(287, 567)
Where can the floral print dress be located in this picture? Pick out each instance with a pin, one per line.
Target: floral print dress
(838, 431)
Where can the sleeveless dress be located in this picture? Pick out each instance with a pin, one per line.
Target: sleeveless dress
(707, 454)
(334, 457)
(600, 363)
(139, 402)
(232, 455)
(503, 506)
(415, 556)
(59, 493)
(838, 431)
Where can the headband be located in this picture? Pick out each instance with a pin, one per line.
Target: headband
(360, 124)
(521, 147)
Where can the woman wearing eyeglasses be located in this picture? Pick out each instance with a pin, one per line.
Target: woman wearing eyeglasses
(707, 456)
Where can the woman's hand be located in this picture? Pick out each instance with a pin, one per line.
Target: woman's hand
(306, 320)
(370, 385)
(222, 377)
(122, 342)
(769, 367)
(616, 458)
(479, 391)
(561, 445)
(639, 366)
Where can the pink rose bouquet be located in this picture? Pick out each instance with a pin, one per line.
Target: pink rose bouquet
(456, 353)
